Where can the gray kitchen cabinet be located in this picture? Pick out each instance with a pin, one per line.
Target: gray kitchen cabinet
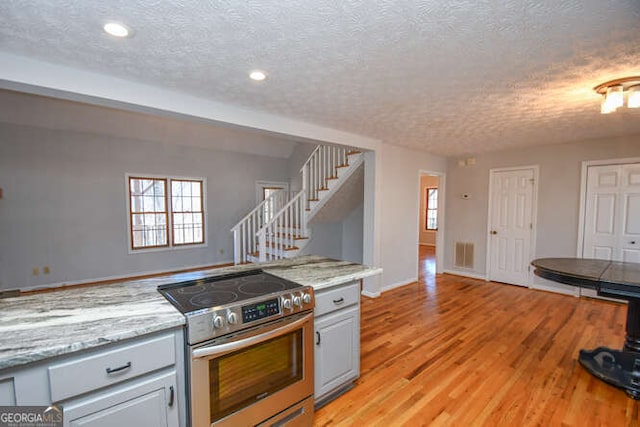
(149, 403)
(7, 392)
(138, 382)
(337, 341)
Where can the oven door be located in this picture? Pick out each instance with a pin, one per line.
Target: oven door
(251, 376)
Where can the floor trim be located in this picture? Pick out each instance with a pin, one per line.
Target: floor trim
(465, 274)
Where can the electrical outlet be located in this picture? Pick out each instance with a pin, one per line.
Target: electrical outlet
(35, 271)
(46, 269)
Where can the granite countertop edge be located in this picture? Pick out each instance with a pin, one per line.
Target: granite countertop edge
(50, 324)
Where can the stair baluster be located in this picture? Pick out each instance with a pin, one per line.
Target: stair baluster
(270, 230)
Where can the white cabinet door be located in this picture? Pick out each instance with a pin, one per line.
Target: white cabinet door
(337, 350)
(511, 225)
(150, 403)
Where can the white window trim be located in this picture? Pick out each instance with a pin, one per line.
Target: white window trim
(171, 246)
(426, 209)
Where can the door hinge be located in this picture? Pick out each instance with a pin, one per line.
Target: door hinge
(530, 226)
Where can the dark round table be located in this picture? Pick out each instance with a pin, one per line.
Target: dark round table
(620, 280)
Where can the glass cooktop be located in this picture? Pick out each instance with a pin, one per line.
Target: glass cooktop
(224, 291)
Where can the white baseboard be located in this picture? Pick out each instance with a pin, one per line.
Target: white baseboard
(398, 284)
(465, 274)
(370, 294)
(555, 290)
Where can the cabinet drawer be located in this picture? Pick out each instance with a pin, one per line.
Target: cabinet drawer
(337, 298)
(102, 369)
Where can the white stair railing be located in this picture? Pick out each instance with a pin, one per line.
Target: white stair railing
(245, 231)
(270, 230)
(279, 234)
(321, 165)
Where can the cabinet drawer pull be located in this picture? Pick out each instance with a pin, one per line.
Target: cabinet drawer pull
(171, 395)
(119, 368)
(318, 335)
(338, 301)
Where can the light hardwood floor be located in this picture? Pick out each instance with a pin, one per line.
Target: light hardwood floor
(455, 351)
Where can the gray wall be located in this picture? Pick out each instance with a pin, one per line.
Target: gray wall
(64, 203)
(558, 194)
(326, 240)
(339, 239)
(398, 196)
(352, 235)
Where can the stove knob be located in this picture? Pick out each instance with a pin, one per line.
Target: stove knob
(306, 298)
(232, 318)
(217, 321)
(297, 301)
(286, 303)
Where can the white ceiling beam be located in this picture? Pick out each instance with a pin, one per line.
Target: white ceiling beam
(43, 78)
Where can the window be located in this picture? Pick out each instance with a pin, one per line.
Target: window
(431, 219)
(165, 212)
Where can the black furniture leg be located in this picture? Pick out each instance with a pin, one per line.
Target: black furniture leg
(619, 368)
(632, 340)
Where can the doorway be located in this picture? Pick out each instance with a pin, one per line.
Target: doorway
(430, 223)
(267, 190)
(511, 225)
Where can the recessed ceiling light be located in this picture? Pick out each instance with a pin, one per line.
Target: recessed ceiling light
(115, 29)
(257, 75)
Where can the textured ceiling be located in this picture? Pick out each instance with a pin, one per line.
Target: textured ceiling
(448, 77)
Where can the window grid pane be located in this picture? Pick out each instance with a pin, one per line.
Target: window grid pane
(187, 212)
(148, 212)
(431, 220)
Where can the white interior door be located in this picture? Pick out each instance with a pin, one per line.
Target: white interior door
(612, 213)
(511, 225)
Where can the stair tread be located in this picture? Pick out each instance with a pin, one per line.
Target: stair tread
(290, 236)
(284, 247)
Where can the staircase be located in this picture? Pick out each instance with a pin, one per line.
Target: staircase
(279, 226)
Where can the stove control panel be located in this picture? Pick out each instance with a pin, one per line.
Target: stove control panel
(207, 324)
(259, 310)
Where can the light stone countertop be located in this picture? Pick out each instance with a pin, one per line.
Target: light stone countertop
(44, 325)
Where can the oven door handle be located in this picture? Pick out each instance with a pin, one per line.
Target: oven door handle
(256, 338)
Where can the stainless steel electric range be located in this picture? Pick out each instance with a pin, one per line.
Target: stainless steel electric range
(250, 349)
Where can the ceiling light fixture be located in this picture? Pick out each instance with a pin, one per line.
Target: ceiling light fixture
(116, 29)
(257, 75)
(613, 94)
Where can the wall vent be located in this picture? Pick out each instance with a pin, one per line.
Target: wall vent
(464, 255)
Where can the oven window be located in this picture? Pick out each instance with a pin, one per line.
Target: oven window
(239, 379)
